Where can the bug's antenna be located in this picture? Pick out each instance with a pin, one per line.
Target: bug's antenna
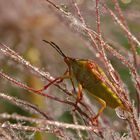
(56, 47)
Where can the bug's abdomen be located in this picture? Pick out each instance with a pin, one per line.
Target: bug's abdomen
(102, 91)
(96, 87)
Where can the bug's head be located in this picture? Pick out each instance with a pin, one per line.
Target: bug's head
(56, 47)
(69, 60)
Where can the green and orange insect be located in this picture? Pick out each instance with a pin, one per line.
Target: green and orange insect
(90, 77)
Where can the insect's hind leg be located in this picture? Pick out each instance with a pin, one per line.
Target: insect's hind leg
(103, 106)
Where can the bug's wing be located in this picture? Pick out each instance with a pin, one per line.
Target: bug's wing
(102, 76)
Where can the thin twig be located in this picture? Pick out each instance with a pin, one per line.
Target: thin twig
(123, 27)
(23, 105)
(49, 122)
(76, 123)
(46, 75)
(122, 19)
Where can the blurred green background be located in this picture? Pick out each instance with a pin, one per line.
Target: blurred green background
(23, 26)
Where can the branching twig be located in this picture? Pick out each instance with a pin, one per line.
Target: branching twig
(38, 92)
(122, 19)
(45, 122)
(124, 27)
(80, 28)
(12, 54)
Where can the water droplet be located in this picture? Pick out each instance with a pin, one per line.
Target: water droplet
(121, 113)
(64, 7)
(97, 55)
(51, 78)
(4, 125)
(126, 1)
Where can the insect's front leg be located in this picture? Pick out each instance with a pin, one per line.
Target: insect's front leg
(56, 80)
(79, 95)
(49, 84)
(66, 75)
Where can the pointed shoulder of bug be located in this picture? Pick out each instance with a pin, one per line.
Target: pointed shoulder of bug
(92, 65)
(97, 70)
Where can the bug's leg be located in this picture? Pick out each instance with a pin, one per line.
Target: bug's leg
(52, 82)
(72, 82)
(68, 75)
(103, 106)
(56, 80)
(79, 95)
(65, 76)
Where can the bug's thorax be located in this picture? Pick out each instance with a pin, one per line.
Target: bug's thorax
(77, 66)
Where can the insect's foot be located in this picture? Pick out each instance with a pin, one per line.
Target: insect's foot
(95, 121)
(75, 107)
(60, 80)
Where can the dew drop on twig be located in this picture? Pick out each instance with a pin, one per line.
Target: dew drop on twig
(126, 1)
(121, 113)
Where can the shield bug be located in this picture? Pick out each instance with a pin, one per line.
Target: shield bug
(90, 77)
